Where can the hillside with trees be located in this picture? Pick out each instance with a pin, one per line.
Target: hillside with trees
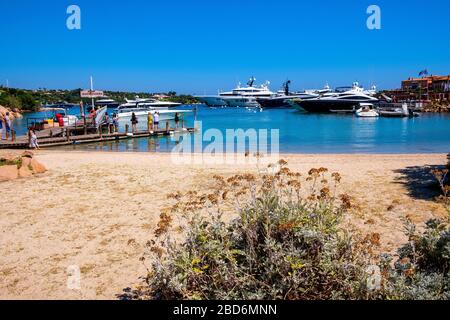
(32, 100)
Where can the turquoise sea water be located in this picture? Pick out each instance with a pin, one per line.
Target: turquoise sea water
(305, 133)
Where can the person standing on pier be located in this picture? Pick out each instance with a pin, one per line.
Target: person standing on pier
(7, 125)
(115, 122)
(108, 122)
(150, 121)
(32, 139)
(156, 120)
(177, 120)
(134, 122)
(1, 127)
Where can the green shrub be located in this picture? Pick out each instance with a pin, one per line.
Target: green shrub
(286, 241)
(422, 270)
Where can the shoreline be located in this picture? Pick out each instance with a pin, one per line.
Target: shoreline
(97, 210)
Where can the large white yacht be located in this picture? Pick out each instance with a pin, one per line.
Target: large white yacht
(142, 106)
(342, 100)
(239, 96)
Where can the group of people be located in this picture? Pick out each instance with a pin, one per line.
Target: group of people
(112, 122)
(152, 121)
(5, 125)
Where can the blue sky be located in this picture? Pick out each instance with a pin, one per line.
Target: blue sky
(200, 46)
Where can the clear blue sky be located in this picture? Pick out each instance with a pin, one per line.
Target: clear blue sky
(199, 46)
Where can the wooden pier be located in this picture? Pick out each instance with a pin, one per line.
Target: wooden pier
(64, 136)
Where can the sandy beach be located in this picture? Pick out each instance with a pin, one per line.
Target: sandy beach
(97, 210)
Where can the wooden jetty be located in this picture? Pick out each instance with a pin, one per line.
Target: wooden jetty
(67, 136)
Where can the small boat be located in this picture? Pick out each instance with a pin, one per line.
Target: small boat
(403, 112)
(367, 111)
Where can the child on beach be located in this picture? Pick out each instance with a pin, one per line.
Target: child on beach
(32, 138)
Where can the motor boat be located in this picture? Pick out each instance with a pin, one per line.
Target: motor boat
(367, 110)
(110, 103)
(402, 112)
(164, 115)
(145, 104)
(342, 100)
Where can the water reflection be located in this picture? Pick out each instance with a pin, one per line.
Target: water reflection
(300, 132)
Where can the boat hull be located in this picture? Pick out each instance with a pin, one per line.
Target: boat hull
(328, 106)
(238, 101)
(274, 103)
(212, 101)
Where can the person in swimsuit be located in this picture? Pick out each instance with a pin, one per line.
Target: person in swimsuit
(134, 122)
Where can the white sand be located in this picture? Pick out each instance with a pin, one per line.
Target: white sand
(97, 210)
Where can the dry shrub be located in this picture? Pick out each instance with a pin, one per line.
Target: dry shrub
(285, 242)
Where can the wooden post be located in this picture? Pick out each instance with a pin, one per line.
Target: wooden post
(126, 128)
(167, 126)
(68, 134)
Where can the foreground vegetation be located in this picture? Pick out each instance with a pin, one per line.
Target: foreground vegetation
(286, 242)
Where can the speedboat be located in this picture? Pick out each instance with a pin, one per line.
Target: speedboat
(402, 112)
(239, 96)
(340, 101)
(367, 111)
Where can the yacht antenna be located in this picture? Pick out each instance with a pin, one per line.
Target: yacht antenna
(251, 81)
(286, 87)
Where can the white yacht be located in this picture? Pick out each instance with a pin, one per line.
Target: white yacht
(140, 104)
(110, 103)
(342, 100)
(143, 106)
(239, 96)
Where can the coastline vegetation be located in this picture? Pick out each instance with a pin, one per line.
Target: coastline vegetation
(287, 241)
(31, 100)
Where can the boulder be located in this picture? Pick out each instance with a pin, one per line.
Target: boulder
(9, 172)
(26, 161)
(27, 154)
(25, 172)
(37, 167)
